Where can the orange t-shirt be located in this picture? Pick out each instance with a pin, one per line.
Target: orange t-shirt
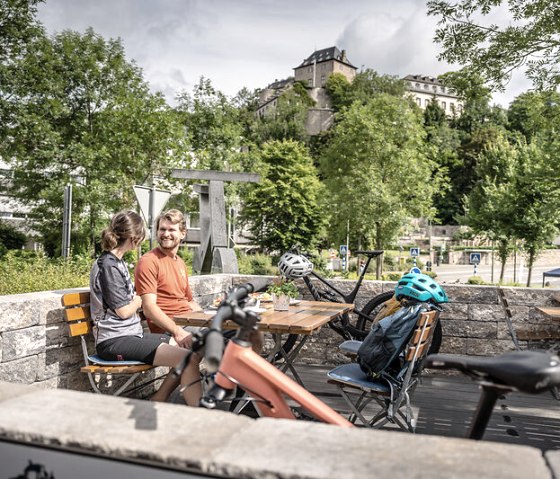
(167, 278)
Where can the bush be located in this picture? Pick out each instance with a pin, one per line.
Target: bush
(258, 264)
(476, 280)
(27, 271)
(10, 237)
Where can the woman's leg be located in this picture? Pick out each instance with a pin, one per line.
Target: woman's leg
(168, 355)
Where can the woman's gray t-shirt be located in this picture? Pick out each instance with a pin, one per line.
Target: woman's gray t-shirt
(111, 288)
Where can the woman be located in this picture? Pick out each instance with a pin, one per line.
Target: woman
(114, 307)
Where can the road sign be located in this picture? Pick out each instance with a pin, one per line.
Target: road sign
(475, 258)
(414, 252)
(343, 249)
(415, 270)
(150, 209)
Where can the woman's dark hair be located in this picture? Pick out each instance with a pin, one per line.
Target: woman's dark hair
(124, 225)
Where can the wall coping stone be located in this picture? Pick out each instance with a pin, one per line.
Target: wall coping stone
(220, 443)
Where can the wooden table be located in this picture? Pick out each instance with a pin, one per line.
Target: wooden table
(303, 318)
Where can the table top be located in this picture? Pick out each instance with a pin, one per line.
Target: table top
(304, 317)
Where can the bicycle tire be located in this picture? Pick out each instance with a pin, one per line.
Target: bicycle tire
(372, 308)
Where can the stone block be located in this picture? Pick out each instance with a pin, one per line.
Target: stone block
(57, 362)
(457, 329)
(528, 296)
(472, 294)
(210, 284)
(20, 370)
(453, 311)
(488, 347)
(523, 313)
(23, 342)
(453, 345)
(486, 312)
(482, 329)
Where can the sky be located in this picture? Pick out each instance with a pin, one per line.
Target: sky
(252, 43)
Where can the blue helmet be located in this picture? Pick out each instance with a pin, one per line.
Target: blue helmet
(420, 287)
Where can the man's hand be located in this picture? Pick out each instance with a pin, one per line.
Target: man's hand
(182, 338)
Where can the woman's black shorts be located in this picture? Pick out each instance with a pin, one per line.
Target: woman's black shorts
(132, 348)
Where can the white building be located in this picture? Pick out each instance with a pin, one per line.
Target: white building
(424, 89)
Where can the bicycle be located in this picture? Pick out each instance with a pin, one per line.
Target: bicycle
(364, 317)
(526, 371)
(239, 366)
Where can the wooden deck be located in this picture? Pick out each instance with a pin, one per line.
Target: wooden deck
(445, 404)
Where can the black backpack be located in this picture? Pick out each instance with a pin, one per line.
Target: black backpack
(381, 348)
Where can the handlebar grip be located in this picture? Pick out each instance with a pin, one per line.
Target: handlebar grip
(214, 350)
(259, 283)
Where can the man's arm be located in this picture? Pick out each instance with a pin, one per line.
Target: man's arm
(153, 312)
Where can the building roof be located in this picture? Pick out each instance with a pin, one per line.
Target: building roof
(325, 55)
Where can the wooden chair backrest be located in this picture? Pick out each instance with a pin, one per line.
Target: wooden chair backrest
(421, 338)
(77, 313)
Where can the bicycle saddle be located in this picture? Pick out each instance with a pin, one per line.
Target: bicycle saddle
(528, 371)
(371, 254)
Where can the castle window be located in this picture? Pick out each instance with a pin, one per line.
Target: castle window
(443, 105)
(310, 82)
(419, 101)
(426, 102)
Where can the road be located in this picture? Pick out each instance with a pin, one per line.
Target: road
(447, 273)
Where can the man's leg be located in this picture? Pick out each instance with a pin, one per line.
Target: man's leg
(167, 387)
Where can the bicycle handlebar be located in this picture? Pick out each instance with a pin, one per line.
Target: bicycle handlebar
(229, 308)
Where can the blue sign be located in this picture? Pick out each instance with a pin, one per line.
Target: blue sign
(343, 249)
(415, 270)
(475, 258)
(414, 252)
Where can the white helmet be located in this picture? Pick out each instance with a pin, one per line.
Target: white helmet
(294, 266)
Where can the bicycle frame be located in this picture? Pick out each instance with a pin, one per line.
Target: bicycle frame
(268, 385)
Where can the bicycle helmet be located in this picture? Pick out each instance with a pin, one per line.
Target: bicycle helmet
(294, 266)
(420, 287)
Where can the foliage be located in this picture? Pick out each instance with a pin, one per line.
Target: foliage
(284, 208)
(10, 237)
(377, 172)
(476, 280)
(534, 114)
(471, 33)
(25, 272)
(84, 117)
(258, 264)
(281, 286)
(364, 86)
(288, 118)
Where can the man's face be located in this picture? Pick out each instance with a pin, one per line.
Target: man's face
(169, 236)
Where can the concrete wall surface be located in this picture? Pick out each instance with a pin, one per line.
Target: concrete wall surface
(221, 444)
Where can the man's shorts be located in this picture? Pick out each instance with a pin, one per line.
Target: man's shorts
(132, 348)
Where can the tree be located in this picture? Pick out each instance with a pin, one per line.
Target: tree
(535, 114)
(10, 237)
(284, 208)
(85, 117)
(377, 172)
(472, 33)
(364, 86)
(489, 206)
(287, 119)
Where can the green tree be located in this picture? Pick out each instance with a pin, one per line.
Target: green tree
(490, 207)
(287, 119)
(85, 117)
(10, 237)
(535, 114)
(284, 208)
(364, 86)
(377, 172)
(471, 34)
(536, 201)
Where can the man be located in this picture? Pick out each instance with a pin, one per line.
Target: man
(161, 280)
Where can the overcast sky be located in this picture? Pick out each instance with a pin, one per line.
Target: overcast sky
(251, 43)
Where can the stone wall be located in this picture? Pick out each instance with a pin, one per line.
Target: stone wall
(35, 347)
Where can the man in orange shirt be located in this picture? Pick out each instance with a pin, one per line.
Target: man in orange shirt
(162, 282)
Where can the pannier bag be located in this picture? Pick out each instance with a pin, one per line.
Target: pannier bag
(387, 338)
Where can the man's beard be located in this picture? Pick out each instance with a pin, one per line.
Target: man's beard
(173, 244)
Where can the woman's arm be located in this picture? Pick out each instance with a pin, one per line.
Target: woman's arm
(128, 310)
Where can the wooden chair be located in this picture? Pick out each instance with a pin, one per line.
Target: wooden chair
(77, 314)
(391, 391)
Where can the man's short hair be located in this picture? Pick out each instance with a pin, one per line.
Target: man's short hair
(175, 217)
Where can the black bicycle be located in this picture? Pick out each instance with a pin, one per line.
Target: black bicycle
(357, 324)
(530, 372)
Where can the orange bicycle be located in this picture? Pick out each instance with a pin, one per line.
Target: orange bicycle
(240, 366)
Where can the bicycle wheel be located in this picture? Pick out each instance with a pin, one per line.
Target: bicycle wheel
(371, 309)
